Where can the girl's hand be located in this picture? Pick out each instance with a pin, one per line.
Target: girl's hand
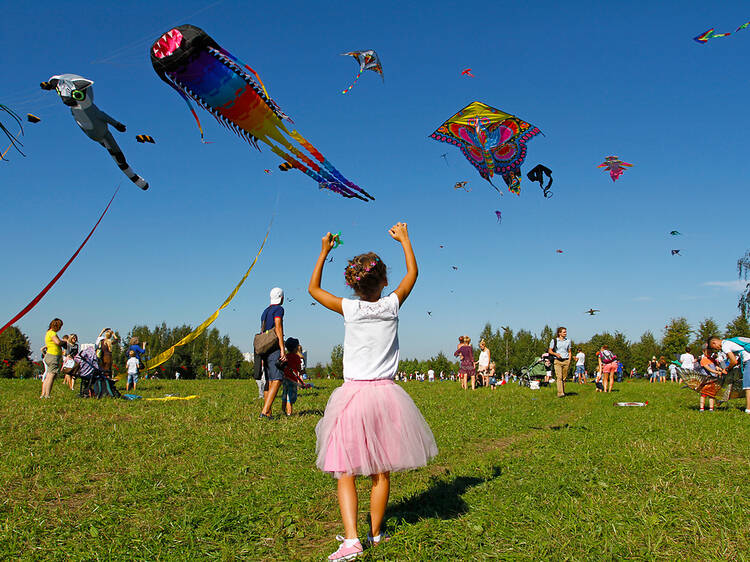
(399, 232)
(327, 243)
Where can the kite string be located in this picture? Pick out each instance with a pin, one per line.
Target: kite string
(167, 354)
(44, 291)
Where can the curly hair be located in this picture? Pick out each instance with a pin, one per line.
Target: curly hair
(365, 274)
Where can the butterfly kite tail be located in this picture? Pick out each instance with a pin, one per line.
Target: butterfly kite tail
(355, 80)
(330, 167)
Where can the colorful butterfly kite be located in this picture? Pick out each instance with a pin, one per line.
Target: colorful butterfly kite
(615, 166)
(196, 66)
(494, 142)
(368, 60)
(706, 35)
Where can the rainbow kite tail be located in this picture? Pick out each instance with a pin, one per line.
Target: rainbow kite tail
(354, 81)
(330, 167)
(322, 182)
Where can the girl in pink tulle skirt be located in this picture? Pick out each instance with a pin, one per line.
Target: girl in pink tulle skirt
(371, 426)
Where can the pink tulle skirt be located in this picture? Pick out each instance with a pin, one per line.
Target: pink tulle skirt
(371, 427)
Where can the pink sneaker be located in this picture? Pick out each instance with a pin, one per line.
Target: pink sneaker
(345, 552)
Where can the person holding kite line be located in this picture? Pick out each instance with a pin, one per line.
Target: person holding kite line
(559, 348)
(737, 353)
(273, 318)
(53, 357)
(371, 427)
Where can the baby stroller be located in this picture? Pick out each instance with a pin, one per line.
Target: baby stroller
(533, 375)
(94, 383)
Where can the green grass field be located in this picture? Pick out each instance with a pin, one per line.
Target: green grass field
(520, 475)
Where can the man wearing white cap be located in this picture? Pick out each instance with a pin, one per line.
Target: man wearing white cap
(273, 318)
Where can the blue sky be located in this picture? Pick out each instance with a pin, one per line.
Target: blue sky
(622, 79)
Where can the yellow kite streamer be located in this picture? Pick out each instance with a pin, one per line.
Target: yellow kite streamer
(166, 355)
(169, 398)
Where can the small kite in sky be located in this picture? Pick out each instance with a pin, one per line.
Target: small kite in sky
(267, 171)
(32, 118)
(676, 252)
(442, 246)
(429, 313)
(467, 72)
(14, 142)
(558, 251)
(676, 233)
(454, 268)
(591, 311)
(285, 166)
(145, 138)
(368, 60)
(615, 166)
(198, 68)
(706, 35)
(445, 157)
(537, 174)
(461, 185)
(499, 216)
(494, 142)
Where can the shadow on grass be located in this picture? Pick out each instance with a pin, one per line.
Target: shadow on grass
(442, 500)
(309, 413)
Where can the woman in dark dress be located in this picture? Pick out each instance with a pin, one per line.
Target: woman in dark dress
(466, 353)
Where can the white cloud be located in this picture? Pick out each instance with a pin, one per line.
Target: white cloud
(736, 285)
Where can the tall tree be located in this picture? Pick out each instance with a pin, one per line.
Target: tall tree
(738, 327)
(743, 272)
(14, 346)
(706, 329)
(337, 360)
(676, 338)
(644, 350)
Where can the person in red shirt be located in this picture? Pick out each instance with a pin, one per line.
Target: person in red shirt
(292, 375)
(710, 364)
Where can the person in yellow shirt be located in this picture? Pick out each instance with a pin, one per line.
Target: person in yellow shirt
(53, 358)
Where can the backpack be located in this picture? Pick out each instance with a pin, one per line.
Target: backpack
(607, 357)
(744, 343)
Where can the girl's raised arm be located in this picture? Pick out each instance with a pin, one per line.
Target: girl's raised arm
(401, 234)
(325, 298)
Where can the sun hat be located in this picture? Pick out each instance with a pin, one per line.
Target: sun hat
(277, 294)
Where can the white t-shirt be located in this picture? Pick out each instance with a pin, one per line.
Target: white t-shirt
(370, 338)
(431, 375)
(563, 347)
(737, 349)
(484, 359)
(580, 359)
(687, 360)
(672, 369)
(133, 364)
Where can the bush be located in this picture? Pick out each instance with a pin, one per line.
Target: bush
(23, 369)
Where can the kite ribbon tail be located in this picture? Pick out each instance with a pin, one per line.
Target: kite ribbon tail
(44, 291)
(14, 143)
(195, 115)
(354, 81)
(323, 160)
(321, 181)
(165, 355)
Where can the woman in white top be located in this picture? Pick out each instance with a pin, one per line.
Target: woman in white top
(370, 426)
(483, 365)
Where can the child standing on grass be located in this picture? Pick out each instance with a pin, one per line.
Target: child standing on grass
(133, 365)
(371, 426)
(710, 362)
(292, 368)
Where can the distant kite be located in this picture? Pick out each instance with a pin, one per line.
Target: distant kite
(676, 252)
(445, 157)
(32, 118)
(454, 268)
(461, 185)
(592, 311)
(467, 72)
(368, 60)
(145, 138)
(499, 216)
(703, 38)
(615, 166)
(537, 174)
(559, 251)
(676, 233)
